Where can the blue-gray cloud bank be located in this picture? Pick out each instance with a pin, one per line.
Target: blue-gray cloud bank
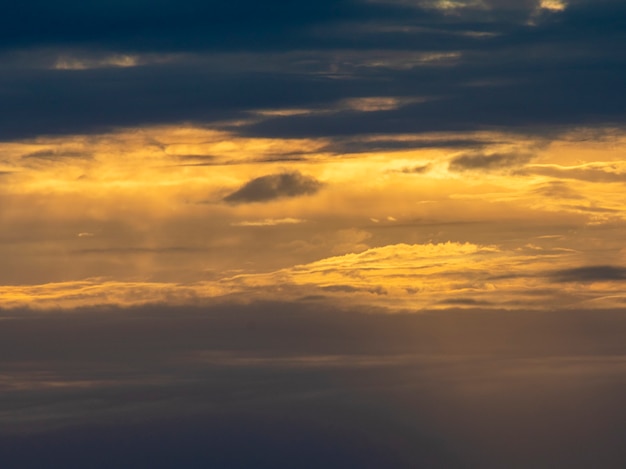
(504, 65)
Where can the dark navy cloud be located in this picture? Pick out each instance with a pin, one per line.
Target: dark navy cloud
(141, 25)
(535, 98)
(37, 102)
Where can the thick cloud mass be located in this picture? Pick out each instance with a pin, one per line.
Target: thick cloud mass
(139, 24)
(274, 186)
(281, 385)
(482, 65)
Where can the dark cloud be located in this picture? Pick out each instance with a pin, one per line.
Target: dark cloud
(225, 440)
(309, 385)
(596, 273)
(463, 301)
(537, 102)
(55, 155)
(277, 24)
(244, 24)
(275, 186)
(565, 69)
(357, 145)
(63, 102)
(417, 169)
(138, 24)
(488, 162)
(170, 25)
(207, 160)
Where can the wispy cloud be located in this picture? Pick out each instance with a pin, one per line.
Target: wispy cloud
(600, 172)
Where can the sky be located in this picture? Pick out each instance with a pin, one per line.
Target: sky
(340, 233)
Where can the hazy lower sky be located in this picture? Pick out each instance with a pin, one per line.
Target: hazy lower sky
(341, 233)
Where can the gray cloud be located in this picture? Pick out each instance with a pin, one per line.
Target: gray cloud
(596, 273)
(416, 169)
(276, 25)
(561, 71)
(55, 155)
(266, 384)
(468, 162)
(275, 186)
(357, 145)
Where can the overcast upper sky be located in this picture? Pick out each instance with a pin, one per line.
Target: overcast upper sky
(341, 233)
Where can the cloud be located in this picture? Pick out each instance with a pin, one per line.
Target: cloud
(363, 145)
(416, 169)
(243, 63)
(597, 273)
(488, 162)
(133, 27)
(351, 289)
(275, 186)
(463, 302)
(285, 385)
(594, 172)
(556, 190)
(386, 276)
(53, 155)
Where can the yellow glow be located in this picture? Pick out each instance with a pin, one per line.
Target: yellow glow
(69, 63)
(553, 5)
(145, 210)
(372, 104)
(423, 276)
